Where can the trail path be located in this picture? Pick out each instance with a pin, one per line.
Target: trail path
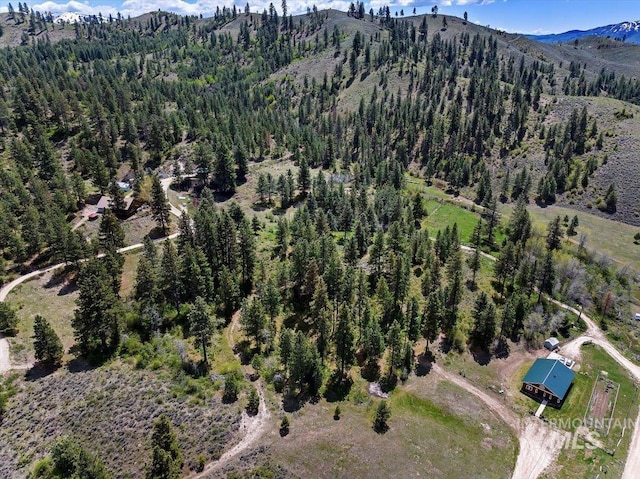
(253, 427)
(539, 443)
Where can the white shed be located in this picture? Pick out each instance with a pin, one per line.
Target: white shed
(552, 344)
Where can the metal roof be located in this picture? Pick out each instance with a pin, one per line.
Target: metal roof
(552, 374)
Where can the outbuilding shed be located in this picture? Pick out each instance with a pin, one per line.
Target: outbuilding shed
(552, 344)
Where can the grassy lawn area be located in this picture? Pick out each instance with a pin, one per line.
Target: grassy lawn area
(446, 214)
(587, 461)
(50, 297)
(603, 235)
(53, 297)
(435, 430)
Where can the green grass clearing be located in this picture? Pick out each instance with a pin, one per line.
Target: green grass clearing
(53, 300)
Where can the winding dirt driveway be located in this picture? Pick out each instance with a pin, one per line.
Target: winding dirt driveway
(253, 427)
(539, 443)
(595, 335)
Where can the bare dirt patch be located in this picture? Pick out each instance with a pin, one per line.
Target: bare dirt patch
(602, 403)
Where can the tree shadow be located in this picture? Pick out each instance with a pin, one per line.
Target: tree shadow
(68, 288)
(39, 371)
(389, 383)
(338, 387)
(156, 233)
(481, 356)
(257, 207)
(54, 281)
(222, 196)
(294, 402)
(244, 350)
(370, 371)
(541, 203)
(80, 365)
(424, 365)
(502, 349)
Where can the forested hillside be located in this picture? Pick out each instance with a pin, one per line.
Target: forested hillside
(303, 147)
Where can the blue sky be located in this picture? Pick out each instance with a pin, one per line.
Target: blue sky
(524, 16)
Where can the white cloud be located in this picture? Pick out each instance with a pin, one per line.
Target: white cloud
(73, 6)
(182, 7)
(376, 4)
(208, 7)
(473, 2)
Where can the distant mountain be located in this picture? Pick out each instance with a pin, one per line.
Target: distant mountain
(627, 31)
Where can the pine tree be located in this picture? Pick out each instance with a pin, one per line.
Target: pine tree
(166, 458)
(383, 413)
(46, 343)
(395, 340)
(111, 234)
(160, 207)
(432, 317)
(474, 259)
(571, 230)
(146, 287)
(170, 274)
(96, 321)
(254, 320)
(548, 275)
(201, 325)
(231, 386)
(611, 199)
(554, 234)
(8, 319)
(304, 177)
(253, 402)
(117, 197)
(247, 254)
(484, 313)
(344, 338)
(225, 173)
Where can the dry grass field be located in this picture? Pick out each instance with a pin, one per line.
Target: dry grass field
(110, 410)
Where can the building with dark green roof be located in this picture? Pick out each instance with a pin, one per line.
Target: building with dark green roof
(548, 380)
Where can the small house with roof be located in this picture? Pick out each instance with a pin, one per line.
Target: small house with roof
(548, 380)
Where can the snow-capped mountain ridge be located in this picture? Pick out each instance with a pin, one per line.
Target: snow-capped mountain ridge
(628, 31)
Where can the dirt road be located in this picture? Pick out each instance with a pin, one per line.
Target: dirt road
(539, 443)
(253, 427)
(595, 335)
(5, 358)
